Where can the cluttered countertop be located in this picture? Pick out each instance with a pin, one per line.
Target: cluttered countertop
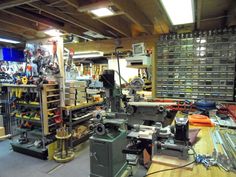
(214, 150)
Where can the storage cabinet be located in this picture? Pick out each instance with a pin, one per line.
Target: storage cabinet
(200, 67)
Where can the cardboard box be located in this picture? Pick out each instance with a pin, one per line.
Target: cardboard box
(70, 96)
(81, 99)
(79, 94)
(70, 90)
(81, 84)
(70, 84)
(80, 102)
(81, 89)
(2, 131)
(70, 102)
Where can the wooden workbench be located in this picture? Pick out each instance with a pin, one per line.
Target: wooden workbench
(204, 145)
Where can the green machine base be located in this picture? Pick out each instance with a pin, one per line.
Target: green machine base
(106, 157)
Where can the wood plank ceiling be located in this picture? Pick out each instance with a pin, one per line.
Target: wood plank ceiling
(27, 19)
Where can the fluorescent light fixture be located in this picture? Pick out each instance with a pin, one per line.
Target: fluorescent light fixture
(102, 12)
(9, 41)
(53, 32)
(89, 54)
(179, 11)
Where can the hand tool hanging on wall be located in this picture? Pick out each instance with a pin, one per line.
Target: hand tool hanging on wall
(38, 60)
(24, 80)
(41, 59)
(55, 62)
(70, 60)
(27, 55)
(28, 68)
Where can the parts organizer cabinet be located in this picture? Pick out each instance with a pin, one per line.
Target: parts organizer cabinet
(36, 112)
(197, 67)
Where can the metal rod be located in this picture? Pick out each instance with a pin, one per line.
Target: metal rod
(118, 62)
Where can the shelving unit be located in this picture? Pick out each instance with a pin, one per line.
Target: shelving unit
(34, 111)
(72, 121)
(200, 67)
(4, 109)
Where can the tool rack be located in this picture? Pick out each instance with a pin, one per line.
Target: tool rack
(196, 67)
(44, 125)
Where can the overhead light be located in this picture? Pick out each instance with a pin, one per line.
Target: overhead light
(9, 41)
(94, 34)
(179, 11)
(102, 12)
(88, 54)
(53, 32)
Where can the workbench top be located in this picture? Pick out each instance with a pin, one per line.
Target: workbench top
(148, 104)
(204, 145)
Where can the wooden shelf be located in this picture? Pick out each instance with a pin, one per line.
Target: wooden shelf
(76, 141)
(138, 66)
(52, 109)
(35, 132)
(81, 119)
(82, 105)
(50, 84)
(23, 86)
(28, 119)
(53, 90)
(54, 101)
(54, 95)
(29, 105)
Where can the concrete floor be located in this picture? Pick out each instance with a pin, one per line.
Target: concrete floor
(13, 164)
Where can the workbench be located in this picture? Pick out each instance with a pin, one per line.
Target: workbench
(204, 145)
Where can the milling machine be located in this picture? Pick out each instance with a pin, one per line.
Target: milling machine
(106, 157)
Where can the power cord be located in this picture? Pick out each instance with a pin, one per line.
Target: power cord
(175, 168)
(169, 169)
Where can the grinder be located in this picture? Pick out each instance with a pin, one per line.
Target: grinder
(181, 129)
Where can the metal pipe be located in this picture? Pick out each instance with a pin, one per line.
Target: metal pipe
(215, 18)
(118, 62)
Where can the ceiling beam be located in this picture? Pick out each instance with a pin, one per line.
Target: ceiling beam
(65, 17)
(27, 34)
(44, 20)
(33, 17)
(113, 22)
(108, 46)
(117, 24)
(13, 3)
(8, 34)
(135, 15)
(16, 21)
(199, 12)
(162, 19)
(73, 3)
(231, 20)
(95, 5)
